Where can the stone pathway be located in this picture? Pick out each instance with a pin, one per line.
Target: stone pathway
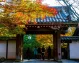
(69, 61)
(43, 61)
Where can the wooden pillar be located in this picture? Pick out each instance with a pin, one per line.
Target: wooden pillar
(6, 49)
(68, 49)
(19, 46)
(57, 45)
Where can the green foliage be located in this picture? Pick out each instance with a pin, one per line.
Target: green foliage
(4, 32)
(17, 30)
(30, 42)
(37, 40)
(46, 40)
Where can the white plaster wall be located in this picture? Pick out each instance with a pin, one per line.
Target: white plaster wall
(74, 50)
(11, 49)
(3, 49)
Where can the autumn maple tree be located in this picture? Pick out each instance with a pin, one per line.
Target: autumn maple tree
(46, 40)
(17, 14)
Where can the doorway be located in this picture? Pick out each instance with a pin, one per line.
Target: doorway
(37, 40)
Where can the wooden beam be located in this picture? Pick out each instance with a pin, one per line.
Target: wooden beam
(69, 24)
(6, 49)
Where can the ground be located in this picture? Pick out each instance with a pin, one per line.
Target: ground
(43, 61)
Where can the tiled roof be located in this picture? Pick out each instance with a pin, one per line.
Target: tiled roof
(70, 38)
(76, 33)
(62, 16)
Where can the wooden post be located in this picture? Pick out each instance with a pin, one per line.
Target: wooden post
(57, 45)
(6, 49)
(19, 41)
(68, 49)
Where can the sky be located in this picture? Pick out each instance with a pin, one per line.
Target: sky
(56, 3)
(52, 2)
(49, 2)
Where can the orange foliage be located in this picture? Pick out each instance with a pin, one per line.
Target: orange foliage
(45, 39)
(19, 14)
(28, 11)
(39, 1)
